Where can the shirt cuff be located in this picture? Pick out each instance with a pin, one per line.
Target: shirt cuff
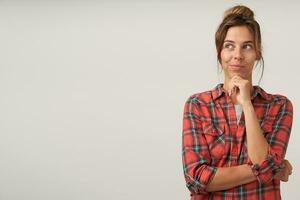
(266, 169)
(199, 186)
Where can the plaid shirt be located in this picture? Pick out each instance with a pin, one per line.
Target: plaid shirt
(212, 138)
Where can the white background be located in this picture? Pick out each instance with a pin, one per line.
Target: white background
(92, 92)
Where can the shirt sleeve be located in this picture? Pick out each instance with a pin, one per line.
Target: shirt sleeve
(277, 139)
(195, 152)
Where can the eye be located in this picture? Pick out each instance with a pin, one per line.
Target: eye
(229, 46)
(248, 46)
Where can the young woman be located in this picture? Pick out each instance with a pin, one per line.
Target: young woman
(235, 136)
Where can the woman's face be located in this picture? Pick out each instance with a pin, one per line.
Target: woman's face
(238, 54)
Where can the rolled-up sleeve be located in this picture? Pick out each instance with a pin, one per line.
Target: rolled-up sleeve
(195, 153)
(277, 139)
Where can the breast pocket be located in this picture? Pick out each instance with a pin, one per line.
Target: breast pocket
(215, 138)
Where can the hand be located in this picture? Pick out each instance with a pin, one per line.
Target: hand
(240, 89)
(285, 173)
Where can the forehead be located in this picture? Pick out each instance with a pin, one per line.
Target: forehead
(239, 34)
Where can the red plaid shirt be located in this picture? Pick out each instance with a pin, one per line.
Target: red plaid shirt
(212, 138)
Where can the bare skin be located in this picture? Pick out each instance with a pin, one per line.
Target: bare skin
(238, 57)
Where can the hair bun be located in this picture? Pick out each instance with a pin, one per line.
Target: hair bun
(240, 10)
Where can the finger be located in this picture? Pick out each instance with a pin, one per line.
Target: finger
(287, 173)
(234, 90)
(236, 83)
(232, 84)
(236, 77)
(288, 167)
(283, 176)
(286, 178)
(288, 164)
(237, 89)
(230, 87)
(278, 176)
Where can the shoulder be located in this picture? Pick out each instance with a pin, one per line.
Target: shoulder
(200, 97)
(279, 101)
(273, 98)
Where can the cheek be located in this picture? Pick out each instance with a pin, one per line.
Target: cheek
(225, 57)
(252, 58)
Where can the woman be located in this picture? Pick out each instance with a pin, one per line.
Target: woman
(235, 136)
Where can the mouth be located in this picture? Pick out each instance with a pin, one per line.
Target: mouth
(236, 67)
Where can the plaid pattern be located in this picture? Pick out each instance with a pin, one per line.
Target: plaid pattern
(212, 138)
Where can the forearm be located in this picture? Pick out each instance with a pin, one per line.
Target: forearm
(229, 177)
(257, 145)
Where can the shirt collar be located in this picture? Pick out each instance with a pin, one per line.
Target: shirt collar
(219, 91)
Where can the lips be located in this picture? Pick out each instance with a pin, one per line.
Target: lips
(236, 67)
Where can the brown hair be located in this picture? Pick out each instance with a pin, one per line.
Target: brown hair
(239, 16)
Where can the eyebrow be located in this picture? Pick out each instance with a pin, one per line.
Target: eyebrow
(249, 41)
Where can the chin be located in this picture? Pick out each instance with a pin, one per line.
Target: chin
(237, 73)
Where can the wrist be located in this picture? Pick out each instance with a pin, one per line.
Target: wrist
(247, 104)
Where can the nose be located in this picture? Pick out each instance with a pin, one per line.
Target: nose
(238, 55)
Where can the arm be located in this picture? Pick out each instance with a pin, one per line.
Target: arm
(257, 144)
(266, 149)
(200, 176)
(230, 177)
(267, 154)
